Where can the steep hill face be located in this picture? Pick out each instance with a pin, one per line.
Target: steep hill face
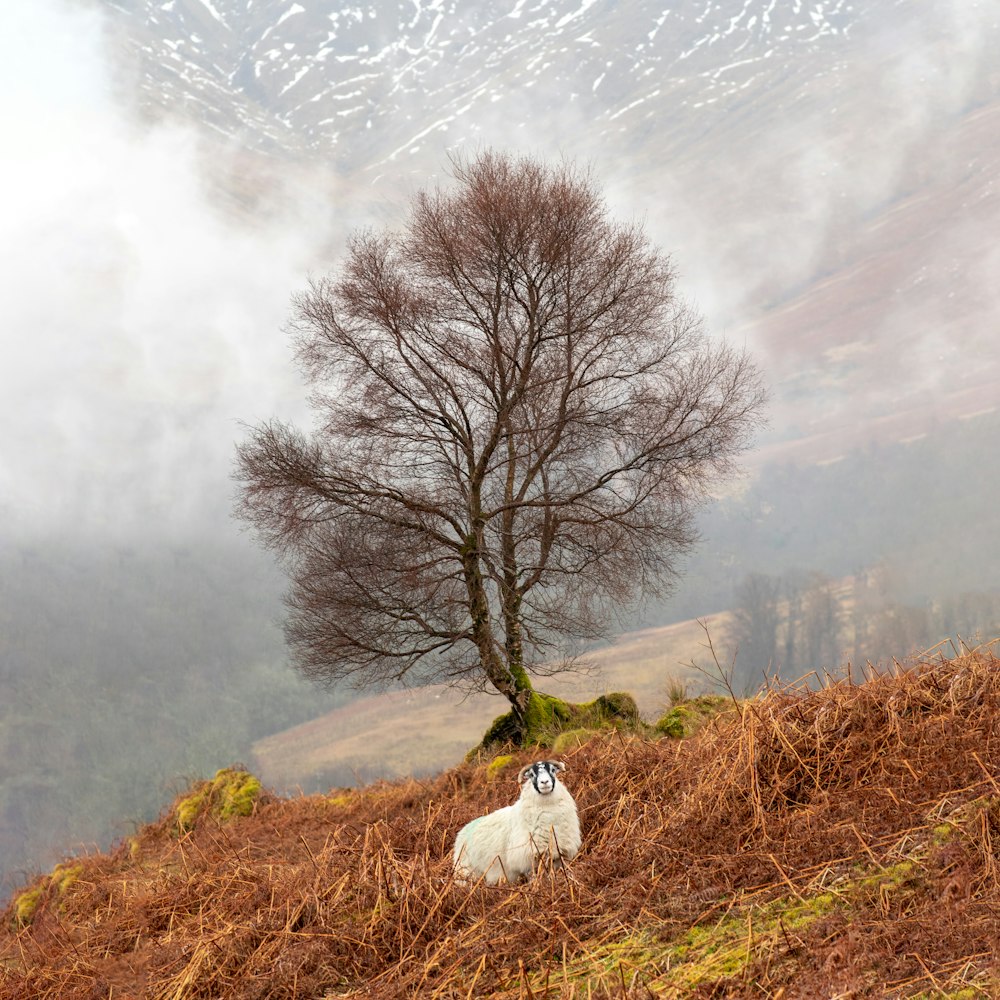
(897, 331)
(833, 843)
(825, 170)
(375, 80)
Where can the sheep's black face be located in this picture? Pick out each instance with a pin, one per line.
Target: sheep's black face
(542, 775)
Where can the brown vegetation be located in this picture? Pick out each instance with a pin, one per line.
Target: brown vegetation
(837, 843)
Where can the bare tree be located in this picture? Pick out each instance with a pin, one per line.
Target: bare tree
(822, 616)
(517, 418)
(753, 633)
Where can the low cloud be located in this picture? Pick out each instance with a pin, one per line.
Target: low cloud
(141, 320)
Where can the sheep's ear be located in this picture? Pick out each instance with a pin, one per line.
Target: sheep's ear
(557, 764)
(523, 774)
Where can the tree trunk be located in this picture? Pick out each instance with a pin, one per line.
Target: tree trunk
(511, 596)
(510, 679)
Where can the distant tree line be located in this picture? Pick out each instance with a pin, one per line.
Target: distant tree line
(796, 623)
(933, 518)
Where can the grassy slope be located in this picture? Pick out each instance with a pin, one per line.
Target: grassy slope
(425, 730)
(840, 843)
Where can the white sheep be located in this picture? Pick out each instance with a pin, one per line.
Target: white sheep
(509, 843)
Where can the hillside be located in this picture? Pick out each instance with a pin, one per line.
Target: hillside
(425, 730)
(840, 843)
(375, 83)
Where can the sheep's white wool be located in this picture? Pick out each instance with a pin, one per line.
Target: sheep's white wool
(508, 843)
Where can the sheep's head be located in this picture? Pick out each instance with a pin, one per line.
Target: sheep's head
(542, 775)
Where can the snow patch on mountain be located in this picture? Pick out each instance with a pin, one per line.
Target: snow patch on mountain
(316, 77)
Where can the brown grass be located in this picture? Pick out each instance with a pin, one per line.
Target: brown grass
(834, 843)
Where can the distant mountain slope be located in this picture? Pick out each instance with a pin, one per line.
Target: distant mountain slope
(900, 323)
(365, 82)
(825, 171)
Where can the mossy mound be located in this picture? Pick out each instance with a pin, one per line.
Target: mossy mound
(504, 731)
(562, 726)
(617, 709)
(497, 765)
(50, 887)
(26, 905)
(548, 719)
(230, 793)
(687, 717)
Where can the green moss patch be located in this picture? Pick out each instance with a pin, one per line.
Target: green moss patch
(63, 876)
(54, 886)
(27, 903)
(229, 794)
(728, 948)
(547, 715)
(498, 765)
(617, 709)
(503, 731)
(549, 718)
(687, 717)
(747, 939)
(571, 739)
(964, 993)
